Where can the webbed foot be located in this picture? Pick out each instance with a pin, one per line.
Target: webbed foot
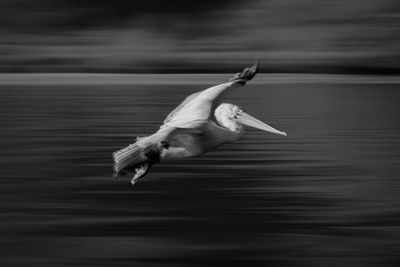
(140, 171)
(153, 157)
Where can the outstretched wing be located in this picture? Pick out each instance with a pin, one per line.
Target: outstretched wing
(178, 108)
(197, 108)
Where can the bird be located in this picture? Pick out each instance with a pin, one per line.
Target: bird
(201, 123)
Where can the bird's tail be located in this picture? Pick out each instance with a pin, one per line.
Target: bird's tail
(128, 156)
(247, 74)
(138, 157)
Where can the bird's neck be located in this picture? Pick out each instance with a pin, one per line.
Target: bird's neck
(233, 126)
(228, 124)
(227, 133)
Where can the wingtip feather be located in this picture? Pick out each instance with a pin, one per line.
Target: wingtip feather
(248, 73)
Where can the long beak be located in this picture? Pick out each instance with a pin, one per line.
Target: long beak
(249, 120)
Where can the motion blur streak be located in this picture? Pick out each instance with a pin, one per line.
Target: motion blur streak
(328, 193)
(199, 36)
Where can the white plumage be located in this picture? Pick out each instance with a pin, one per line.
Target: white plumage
(199, 124)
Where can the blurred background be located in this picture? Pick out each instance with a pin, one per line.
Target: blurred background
(80, 79)
(359, 36)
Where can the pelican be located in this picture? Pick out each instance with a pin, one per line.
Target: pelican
(199, 124)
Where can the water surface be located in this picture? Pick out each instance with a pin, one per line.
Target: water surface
(326, 195)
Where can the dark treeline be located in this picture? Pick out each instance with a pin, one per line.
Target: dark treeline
(360, 36)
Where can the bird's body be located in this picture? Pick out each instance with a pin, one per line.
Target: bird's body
(210, 136)
(199, 124)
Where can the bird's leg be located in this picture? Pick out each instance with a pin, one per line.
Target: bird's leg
(153, 157)
(140, 171)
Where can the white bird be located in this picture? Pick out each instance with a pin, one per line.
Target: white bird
(199, 124)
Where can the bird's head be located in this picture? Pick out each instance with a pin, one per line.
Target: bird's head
(233, 118)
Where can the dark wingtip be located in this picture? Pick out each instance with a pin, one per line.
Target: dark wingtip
(248, 73)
